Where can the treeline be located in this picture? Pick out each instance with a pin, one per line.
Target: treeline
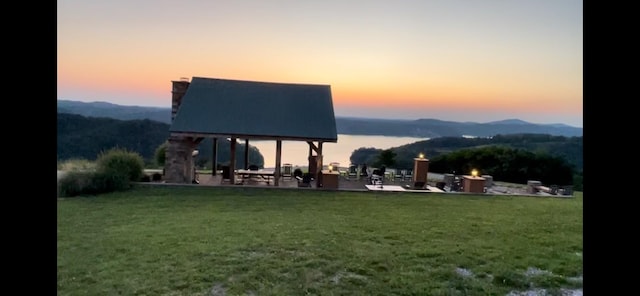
(567, 148)
(506, 164)
(510, 158)
(80, 137)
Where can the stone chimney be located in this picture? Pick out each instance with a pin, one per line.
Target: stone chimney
(179, 158)
(177, 92)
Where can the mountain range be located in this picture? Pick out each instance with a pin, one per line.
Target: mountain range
(423, 128)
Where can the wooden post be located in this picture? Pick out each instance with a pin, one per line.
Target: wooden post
(246, 154)
(214, 157)
(319, 164)
(276, 182)
(420, 171)
(232, 161)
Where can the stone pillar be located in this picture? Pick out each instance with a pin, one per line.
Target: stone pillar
(179, 160)
(473, 184)
(420, 171)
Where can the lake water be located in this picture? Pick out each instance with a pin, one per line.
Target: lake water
(297, 152)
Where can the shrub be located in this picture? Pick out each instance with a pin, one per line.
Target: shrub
(161, 154)
(107, 181)
(121, 161)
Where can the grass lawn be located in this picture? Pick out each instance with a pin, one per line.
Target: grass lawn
(253, 241)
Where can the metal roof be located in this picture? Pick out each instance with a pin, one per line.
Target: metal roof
(258, 110)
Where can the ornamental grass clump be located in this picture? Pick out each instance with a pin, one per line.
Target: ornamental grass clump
(115, 170)
(121, 161)
(74, 183)
(77, 183)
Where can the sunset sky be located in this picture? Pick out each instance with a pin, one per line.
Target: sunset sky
(473, 60)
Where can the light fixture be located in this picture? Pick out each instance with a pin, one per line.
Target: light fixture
(474, 173)
(421, 155)
(330, 168)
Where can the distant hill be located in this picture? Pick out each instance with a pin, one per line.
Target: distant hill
(422, 128)
(104, 109)
(85, 137)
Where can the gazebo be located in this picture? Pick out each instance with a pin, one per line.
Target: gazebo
(237, 109)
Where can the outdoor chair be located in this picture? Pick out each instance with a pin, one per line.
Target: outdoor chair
(408, 175)
(226, 176)
(456, 184)
(287, 171)
(399, 175)
(364, 171)
(389, 174)
(352, 172)
(567, 190)
(377, 176)
(305, 180)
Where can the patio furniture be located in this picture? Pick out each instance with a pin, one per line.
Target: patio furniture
(259, 175)
(399, 175)
(287, 171)
(352, 172)
(305, 180)
(377, 176)
(226, 176)
(408, 175)
(364, 171)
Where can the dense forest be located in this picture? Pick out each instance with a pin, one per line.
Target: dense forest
(80, 137)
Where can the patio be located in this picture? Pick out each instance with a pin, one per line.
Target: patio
(344, 183)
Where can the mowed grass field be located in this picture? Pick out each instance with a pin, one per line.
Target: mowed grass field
(253, 241)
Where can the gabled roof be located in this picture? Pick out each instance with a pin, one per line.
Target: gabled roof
(252, 109)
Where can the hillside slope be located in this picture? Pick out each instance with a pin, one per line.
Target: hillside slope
(85, 137)
(422, 128)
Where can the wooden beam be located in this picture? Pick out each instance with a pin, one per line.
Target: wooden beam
(252, 137)
(312, 146)
(276, 181)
